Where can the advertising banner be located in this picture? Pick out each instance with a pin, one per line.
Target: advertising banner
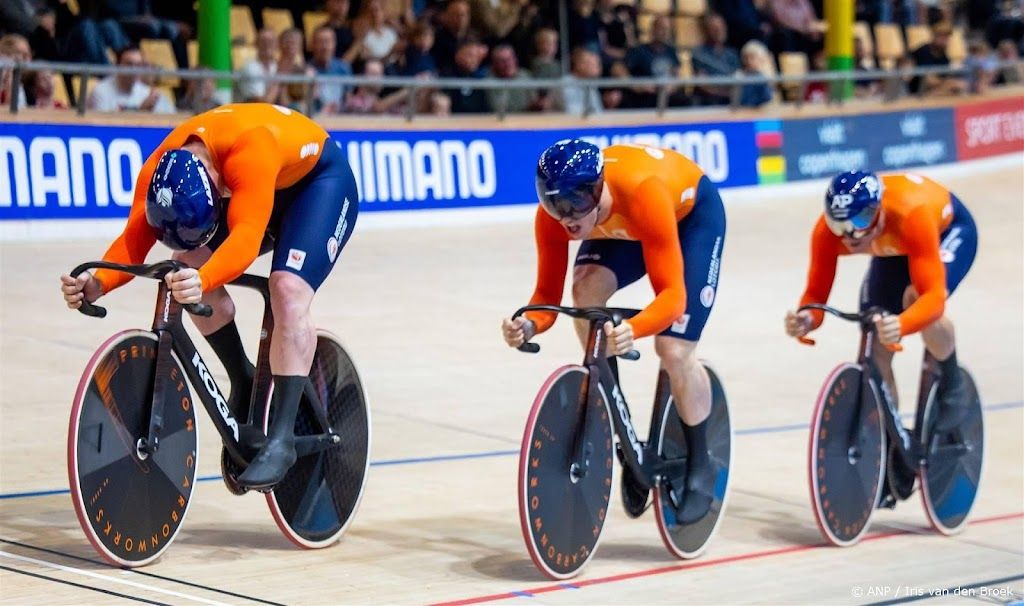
(70, 172)
(990, 128)
(821, 147)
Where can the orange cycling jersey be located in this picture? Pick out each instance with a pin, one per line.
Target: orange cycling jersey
(915, 211)
(652, 189)
(257, 148)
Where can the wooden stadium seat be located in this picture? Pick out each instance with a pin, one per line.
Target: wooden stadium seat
(73, 7)
(918, 36)
(889, 44)
(161, 54)
(862, 32)
(60, 90)
(688, 31)
(644, 22)
(310, 21)
(243, 29)
(278, 19)
(692, 8)
(240, 55)
(792, 64)
(685, 68)
(659, 7)
(193, 53)
(957, 49)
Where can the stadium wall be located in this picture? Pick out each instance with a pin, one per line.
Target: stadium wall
(54, 169)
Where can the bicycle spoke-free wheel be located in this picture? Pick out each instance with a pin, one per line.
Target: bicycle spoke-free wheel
(845, 456)
(562, 508)
(130, 504)
(690, 540)
(316, 500)
(952, 468)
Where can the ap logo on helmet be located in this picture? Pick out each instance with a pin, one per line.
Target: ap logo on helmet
(841, 204)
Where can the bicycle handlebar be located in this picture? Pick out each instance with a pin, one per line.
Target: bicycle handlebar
(155, 271)
(864, 318)
(614, 315)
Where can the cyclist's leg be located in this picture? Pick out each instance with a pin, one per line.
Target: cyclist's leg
(315, 227)
(883, 286)
(702, 239)
(957, 249)
(603, 267)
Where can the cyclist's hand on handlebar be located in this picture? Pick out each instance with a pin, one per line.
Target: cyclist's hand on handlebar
(620, 338)
(798, 323)
(85, 286)
(888, 327)
(185, 285)
(518, 331)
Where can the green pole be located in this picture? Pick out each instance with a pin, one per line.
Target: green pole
(215, 38)
(839, 43)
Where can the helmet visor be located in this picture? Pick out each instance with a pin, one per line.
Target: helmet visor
(855, 226)
(574, 203)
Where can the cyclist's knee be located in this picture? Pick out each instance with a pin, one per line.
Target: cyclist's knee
(592, 285)
(676, 354)
(909, 296)
(290, 297)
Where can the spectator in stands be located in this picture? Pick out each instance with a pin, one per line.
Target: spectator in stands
(576, 98)
(127, 92)
(863, 88)
(468, 60)
(295, 95)
(13, 46)
(584, 26)
(744, 21)
(545, 56)
(337, 19)
(1010, 74)
(89, 40)
(505, 66)
(137, 20)
(981, 67)
(367, 98)
(715, 58)
(618, 97)
(616, 28)
(42, 87)
(523, 35)
(453, 30)
(439, 104)
(291, 48)
(657, 58)
(376, 38)
(330, 95)
(755, 60)
(200, 96)
(417, 59)
(254, 88)
(934, 54)
(794, 27)
(19, 16)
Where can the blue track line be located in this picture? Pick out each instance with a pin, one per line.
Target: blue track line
(496, 453)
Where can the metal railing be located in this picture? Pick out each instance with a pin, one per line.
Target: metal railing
(892, 79)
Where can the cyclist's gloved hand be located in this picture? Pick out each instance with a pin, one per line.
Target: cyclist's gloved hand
(620, 338)
(185, 285)
(889, 329)
(518, 331)
(798, 323)
(85, 286)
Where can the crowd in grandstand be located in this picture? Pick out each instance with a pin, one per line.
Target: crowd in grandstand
(502, 39)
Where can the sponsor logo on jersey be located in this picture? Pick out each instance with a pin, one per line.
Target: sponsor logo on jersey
(296, 259)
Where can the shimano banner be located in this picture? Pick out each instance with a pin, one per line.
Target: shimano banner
(821, 147)
(68, 172)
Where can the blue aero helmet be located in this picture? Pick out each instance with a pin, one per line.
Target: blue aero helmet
(182, 205)
(570, 175)
(852, 203)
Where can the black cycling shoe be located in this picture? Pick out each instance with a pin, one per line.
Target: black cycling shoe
(899, 479)
(634, 495)
(697, 496)
(953, 408)
(270, 466)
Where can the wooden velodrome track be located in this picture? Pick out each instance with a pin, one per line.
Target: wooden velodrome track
(419, 308)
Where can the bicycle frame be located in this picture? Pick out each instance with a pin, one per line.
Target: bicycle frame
(641, 457)
(172, 336)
